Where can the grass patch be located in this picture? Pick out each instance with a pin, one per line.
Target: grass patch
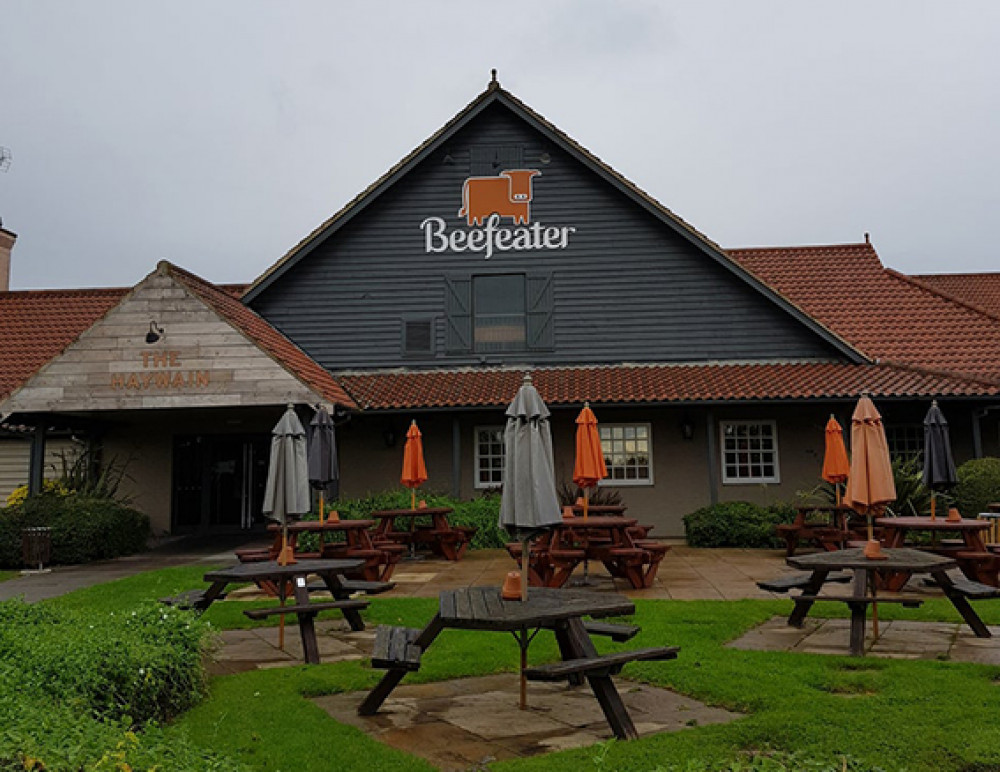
(5, 575)
(807, 712)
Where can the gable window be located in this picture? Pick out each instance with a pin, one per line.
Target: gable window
(628, 453)
(499, 312)
(489, 456)
(906, 442)
(418, 336)
(749, 452)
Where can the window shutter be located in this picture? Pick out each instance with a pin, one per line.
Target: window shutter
(541, 334)
(458, 308)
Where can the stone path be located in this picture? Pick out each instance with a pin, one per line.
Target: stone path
(898, 639)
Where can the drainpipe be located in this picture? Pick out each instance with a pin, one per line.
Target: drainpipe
(713, 458)
(456, 458)
(36, 463)
(977, 430)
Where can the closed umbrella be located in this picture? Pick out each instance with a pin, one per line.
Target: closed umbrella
(870, 486)
(836, 467)
(529, 504)
(324, 471)
(939, 466)
(589, 467)
(414, 471)
(287, 490)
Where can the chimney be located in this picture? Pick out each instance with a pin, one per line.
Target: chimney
(7, 239)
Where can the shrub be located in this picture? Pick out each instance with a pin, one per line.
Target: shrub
(568, 493)
(913, 498)
(76, 688)
(978, 485)
(83, 528)
(736, 524)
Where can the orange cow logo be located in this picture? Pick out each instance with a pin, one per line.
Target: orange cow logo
(508, 195)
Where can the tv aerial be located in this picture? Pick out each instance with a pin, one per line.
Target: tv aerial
(5, 157)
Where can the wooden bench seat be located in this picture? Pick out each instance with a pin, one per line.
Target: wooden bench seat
(974, 590)
(394, 648)
(797, 581)
(189, 599)
(905, 602)
(254, 555)
(307, 608)
(616, 632)
(600, 665)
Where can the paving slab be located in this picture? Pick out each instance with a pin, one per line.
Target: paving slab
(478, 719)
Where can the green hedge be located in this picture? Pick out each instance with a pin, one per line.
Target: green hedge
(978, 485)
(736, 524)
(88, 691)
(83, 528)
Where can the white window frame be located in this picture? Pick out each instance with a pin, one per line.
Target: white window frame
(621, 483)
(478, 457)
(726, 479)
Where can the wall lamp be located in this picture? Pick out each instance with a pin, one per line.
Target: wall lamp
(154, 333)
(687, 429)
(389, 436)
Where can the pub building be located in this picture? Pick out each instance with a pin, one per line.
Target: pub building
(498, 247)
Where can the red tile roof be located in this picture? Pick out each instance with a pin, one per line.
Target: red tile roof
(225, 302)
(623, 384)
(36, 325)
(888, 316)
(979, 290)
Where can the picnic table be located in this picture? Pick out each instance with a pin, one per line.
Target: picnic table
(331, 572)
(380, 559)
(864, 588)
(974, 559)
(614, 540)
(830, 531)
(444, 539)
(399, 650)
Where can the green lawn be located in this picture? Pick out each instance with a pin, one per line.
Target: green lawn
(867, 714)
(5, 575)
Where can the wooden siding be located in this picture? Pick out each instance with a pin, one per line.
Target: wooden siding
(201, 361)
(15, 454)
(627, 288)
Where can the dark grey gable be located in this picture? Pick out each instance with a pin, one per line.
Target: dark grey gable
(620, 279)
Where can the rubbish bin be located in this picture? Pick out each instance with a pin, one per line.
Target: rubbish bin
(36, 547)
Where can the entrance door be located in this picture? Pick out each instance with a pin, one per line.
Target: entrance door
(219, 482)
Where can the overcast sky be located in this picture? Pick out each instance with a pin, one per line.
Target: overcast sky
(218, 134)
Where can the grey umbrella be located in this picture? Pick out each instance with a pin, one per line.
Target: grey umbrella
(529, 503)
(324, 472)
(939, 466)
(287, 489)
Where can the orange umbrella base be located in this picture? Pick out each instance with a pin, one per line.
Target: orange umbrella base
(873, 550)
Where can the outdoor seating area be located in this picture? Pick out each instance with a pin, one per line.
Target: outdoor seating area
(617, 542)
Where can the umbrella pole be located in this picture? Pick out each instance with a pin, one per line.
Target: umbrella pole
(321, 507)
(932, 505)
(413, 498)
(874, 608)
(524, 581)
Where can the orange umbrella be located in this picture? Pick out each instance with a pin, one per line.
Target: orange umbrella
(414, 471)
(836, 467)
(870, 485)
(589, 468)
